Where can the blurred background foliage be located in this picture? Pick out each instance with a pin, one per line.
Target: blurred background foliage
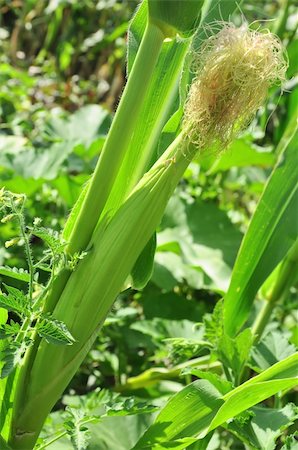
(62, 70)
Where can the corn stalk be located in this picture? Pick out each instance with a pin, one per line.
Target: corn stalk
(99, 277)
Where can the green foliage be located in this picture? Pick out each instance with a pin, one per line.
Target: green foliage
(76, 430)
(210, 409)
(54, 331)
(15, 301)
(265, 246)
(165, 339)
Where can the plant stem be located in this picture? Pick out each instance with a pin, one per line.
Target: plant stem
(90, 293)
(286, 278)
(118, 139)
(22, 226)
(157, 374)
(64, 433)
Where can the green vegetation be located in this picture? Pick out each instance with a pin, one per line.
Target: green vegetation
(148, 258)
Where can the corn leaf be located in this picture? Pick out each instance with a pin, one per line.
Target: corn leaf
(143, 268)
(199, 408)
(272, 232)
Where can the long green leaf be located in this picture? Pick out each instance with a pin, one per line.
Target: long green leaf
(14, 272)
(199, 408)
(272, 232)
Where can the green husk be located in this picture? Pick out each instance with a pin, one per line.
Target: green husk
(91, 291)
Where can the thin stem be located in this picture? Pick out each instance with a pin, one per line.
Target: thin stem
(19, 214)
(118, 139)
(41, 296)
(26, 239)
(51, 441)
(64, 433)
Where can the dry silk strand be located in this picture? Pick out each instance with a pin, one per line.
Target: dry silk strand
(234, 70)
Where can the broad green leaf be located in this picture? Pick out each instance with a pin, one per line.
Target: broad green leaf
(282, 375)
(241, 154)
(240, 400)
(20, 185)
(203, 242)
(184, 415)
(169, 306)
(200, 408)
(272, 231)
(171, 270)
(82, 127)
(272, 348)
(160, 329)
(41, 163)
(266, 425)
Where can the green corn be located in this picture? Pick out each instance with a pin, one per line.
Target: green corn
(91, 291)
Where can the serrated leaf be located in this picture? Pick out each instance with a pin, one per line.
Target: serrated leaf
(7, 330)
(50, 237)
(214, 324)
(272, 348)
(266, 425)
(128, 407)
(54, 332)
(15, 301)
(234, 352)
(11, 356)
(14, 272)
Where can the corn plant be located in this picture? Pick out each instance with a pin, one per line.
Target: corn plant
(108, 241)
